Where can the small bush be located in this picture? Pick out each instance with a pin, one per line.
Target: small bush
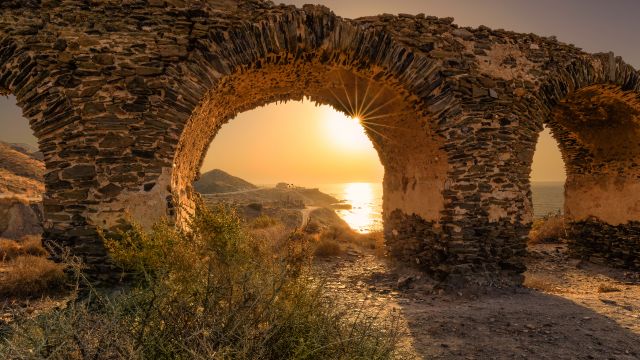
(339, 234)
(31, 276)
(327, 248)
(32, 245)
(263, 221)
(209, 293)
(549, 229)
(9, 249)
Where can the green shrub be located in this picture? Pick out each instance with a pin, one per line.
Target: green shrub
(208, 293)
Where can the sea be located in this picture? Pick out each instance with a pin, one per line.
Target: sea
(365, 199)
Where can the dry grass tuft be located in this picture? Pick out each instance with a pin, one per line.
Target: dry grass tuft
(328, 248)
(9, 249)
(331, 241)
(29, 245)
(32, 245)
(31, 276)
(549, 229)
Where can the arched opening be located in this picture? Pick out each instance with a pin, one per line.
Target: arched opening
(21, 175)
(548, 176)
(303, 146)
(598, 131)
(415, 166)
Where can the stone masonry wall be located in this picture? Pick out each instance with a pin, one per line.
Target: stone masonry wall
(125, 97)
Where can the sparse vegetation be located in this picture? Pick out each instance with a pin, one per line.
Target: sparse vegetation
(32, 245)
(28, 245)
(339, 233)
(9, 249)
(263, 221)
(27, 273)
(31, 276)
(210, 293)
(327, 248)
(549, 229)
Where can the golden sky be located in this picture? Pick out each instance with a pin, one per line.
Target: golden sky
(296, 142)
(302, 143)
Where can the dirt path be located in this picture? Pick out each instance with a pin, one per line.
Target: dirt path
(306, 212)
(581, 311)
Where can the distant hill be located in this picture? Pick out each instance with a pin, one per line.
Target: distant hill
(290, 197)
(217, 181)
(27, 149)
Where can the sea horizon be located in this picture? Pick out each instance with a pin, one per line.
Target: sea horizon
(366, 212)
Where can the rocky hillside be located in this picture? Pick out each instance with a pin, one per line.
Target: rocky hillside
(217, 181)
(21, 188)
(21, 171)
(296, 197)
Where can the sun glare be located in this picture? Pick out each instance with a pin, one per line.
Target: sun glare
(345, 131)
(361, 216)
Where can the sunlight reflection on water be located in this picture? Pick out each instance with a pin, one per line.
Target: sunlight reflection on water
(365, 199)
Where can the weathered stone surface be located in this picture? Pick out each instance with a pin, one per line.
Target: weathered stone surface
(454, 113)
(79, 172)
(19, 217)
(606, 244)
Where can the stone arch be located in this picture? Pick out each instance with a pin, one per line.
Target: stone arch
(398, 93)
(592, 107)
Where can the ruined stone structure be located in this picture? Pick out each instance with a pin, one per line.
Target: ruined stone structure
(126, 96)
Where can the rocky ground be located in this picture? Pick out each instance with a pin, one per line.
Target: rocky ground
(569, 309)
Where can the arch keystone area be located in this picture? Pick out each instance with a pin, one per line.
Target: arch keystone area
(125, 105)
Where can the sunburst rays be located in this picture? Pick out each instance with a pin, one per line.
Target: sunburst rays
(366, 107)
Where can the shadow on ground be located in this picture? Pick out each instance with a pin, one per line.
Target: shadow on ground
(524, 325)
(519, 323)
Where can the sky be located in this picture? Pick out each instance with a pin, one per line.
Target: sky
(299, 142)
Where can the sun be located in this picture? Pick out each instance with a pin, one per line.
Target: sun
(345, 131)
